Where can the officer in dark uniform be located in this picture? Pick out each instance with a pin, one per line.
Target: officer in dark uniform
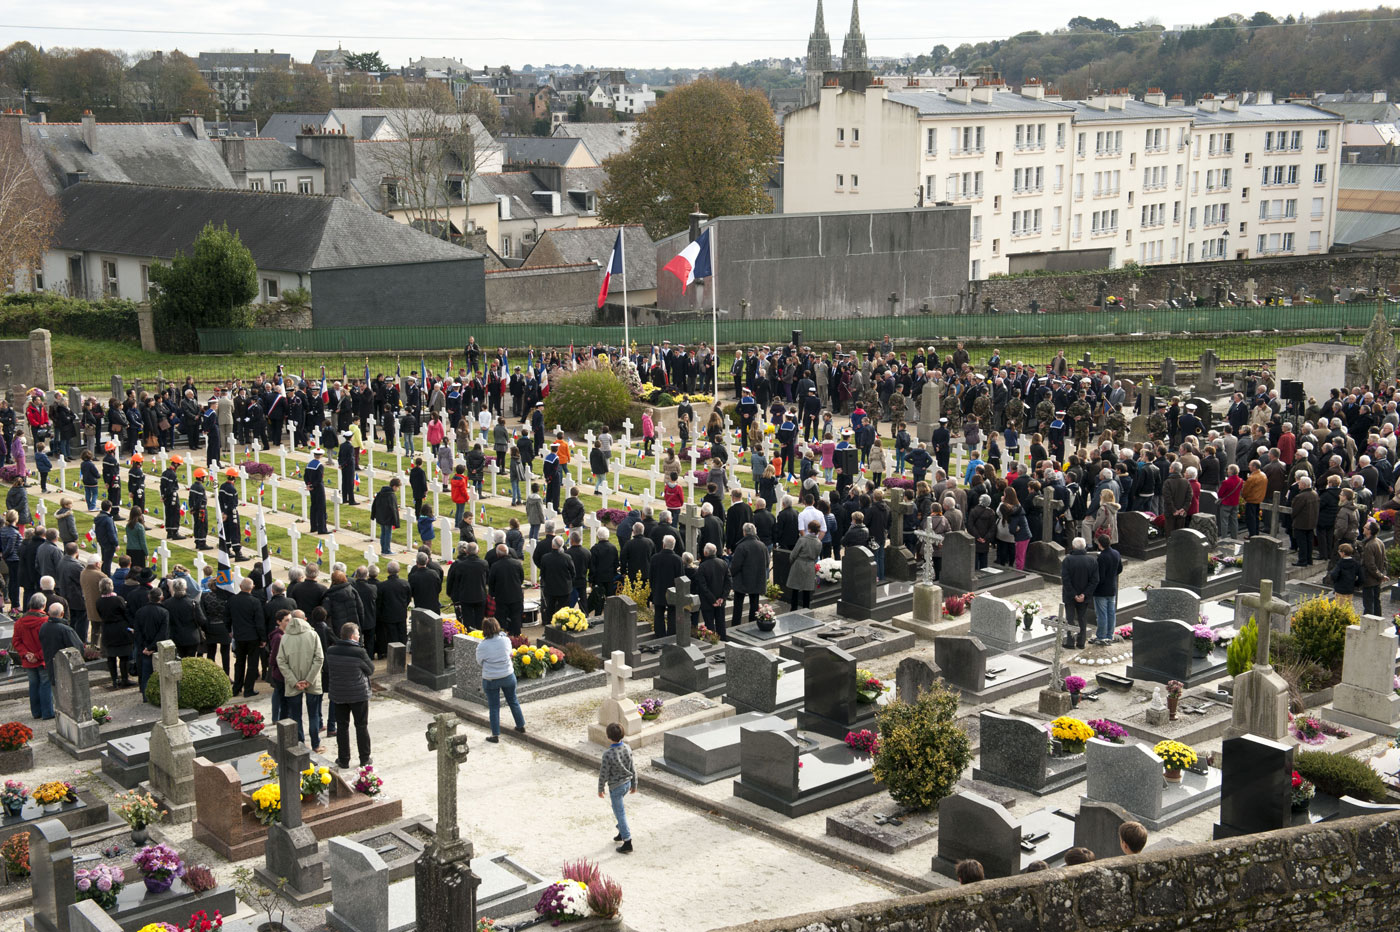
(942, 442)
(346, 457)
(170, 498)
(228, 513)
(199, 510)
(213, 436)
(112, 474)
(136, 483)
(316, 485)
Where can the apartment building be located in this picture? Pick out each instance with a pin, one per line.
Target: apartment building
(1101, 182)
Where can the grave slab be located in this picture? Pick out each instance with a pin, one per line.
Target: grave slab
(982, 676)
(770, 775)
(126, 760)
(710, 751)
(1014, 753)
(972, 826)
(1131, 776)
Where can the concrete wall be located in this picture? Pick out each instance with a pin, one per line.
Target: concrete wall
(1337, 877)
(27, 363)
(418, 294)
(1321, 367)
(829, 265)
(1312, 276)
(561, 294)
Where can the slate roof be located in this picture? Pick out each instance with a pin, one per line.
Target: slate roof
(142, 153)
(289, 232)
(579, 245)
(1260, 113)
(933, 102)
(266, 154)
(604, 140)
(375, 160)
(1132, 110)
(1355, 112)
(266, 61)
(551, 150)
(284, 126)
(520, 187)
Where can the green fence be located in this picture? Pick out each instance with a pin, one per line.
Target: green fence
(932, 329)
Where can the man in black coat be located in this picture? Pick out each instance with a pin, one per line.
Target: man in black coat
(712, 531)
(186, 619)
(245, 613)
(278, 601)
(785, 529)
(305, 591)
(506, 582)
(368, 591)
(764, 522)
(466, 585)
(426, 585)
(1079, 577)
(582, 558)
(384, 510)
(712, 585)
(738, 515)
(748, 571)
(603, 565)
(556, 579)
(666, 568)
(637, 553)
(391, 612)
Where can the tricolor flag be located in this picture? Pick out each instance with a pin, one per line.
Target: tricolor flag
(90, 536)
(692, 262)
(325, 389)
(422, 373)
(224, 578)
(614, 266)
(247, 530)
(262, 549)
(320, 548)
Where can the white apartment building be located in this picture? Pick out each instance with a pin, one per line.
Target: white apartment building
(1111, 179)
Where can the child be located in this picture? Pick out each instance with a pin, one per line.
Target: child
(618, 777)
(425, 525)
(1346, 574)
(41, 463)
(534, 510)
(67, 524)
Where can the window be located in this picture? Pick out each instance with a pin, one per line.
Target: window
(505, 245)
(855, 135)
(109, 278)
(976, 269)
(1180, 174)
(304, 186)
(1319, 174)
(1322, 140)
(1078, 228)
(1191, 221)
(996, 247)
(272, 290)
(1269, 141)
(1080, 145)
(1295, 140)
(1288, 242)
(255, 184)
(931, 141)
(930, 189)
(840, 182)
(1292, 176)
(840, 135)
(1055, 223)
(1176, 211)
(37, 276)
(977, 229)
(1314, 241)
(1190, 252)
(1317, 208)
(1227, 144)
(855, 182)
(391, 197)
(1059, 135)
(279, 186)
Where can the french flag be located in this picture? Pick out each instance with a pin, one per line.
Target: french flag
(614, 267)
(692, 262)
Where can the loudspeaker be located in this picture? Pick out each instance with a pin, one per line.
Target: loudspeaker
(1289, 390)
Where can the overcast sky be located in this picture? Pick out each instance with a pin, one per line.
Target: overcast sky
(635, 34)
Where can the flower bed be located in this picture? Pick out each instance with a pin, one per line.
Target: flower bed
(1314, 731)
(247, 722)
(613, 516)
(1108, 731)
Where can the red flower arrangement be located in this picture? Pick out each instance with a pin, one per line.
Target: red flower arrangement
(955, 605)
(247, 722)
(200, 922)
(14, 735)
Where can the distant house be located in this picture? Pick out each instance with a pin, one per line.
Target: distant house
(264, 164)
(527, 203)
(232, 74)
(561, 151)
(362, 269)
(595, 244)
(604, 140)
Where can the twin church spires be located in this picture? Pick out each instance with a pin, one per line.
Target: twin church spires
(853, 57)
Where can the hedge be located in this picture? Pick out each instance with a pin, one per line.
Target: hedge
(108, 319)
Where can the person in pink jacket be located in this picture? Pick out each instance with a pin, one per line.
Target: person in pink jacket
(648, 432)
(828, 448)
(436, 432)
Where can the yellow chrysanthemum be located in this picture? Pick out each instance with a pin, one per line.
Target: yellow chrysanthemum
(325, 778)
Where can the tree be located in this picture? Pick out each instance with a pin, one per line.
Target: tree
(28, 215)
(708, 143)
(364, 61)
(23, 67)
(481, 103)
(210, 287)
(173, 85)
(87, 79)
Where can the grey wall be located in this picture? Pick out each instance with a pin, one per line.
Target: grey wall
(831, 264)
(29, 363)
(561, 294)
(418, 294)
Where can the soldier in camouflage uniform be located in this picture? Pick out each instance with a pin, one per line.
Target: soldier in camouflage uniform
(870, 400)
(1083, 416)
(1117, 423)
(951, 406)
(1044, 413)
(1014, 414)
(899, 406)
(982, 408)
(1157, 425)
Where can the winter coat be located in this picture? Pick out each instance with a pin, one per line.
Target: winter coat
(350, 669)
(117, 633)
(1105, 518)
(342, 605)
(300, 657)
(802, 568)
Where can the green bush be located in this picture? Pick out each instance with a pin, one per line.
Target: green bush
(1340, 775)
(1239, 657)
(1392, 561)
(585, 396)
(1320, 628)
(923, 752)
(664, 400)
(108, 319)
(212, 286)
(576, 655)
(204, 685)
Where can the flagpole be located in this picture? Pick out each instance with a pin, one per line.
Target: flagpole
(714, 313)
(626, 343)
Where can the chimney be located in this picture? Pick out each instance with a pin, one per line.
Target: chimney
(1118, 100)
(336, 153)
(1033, 89)
(1231, 103)
(1264, 97)
(1378, 97)
(196, 125)
(961, 93)
(16, 127)
(1208, 103)
(982, 93)
(90, 131)
(235, 155)
(1155, 97)
(1097, 102)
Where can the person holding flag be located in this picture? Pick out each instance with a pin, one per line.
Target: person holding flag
(228, 513)
(315, 478)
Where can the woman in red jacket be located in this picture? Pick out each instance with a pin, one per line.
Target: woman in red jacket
(25, 643)
(1230, 489)
(38, 417)
(673, 495)
(461, 493)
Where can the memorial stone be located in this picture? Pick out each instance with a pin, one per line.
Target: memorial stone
(1188, 556)
(359, 888)
(1255, 786)
(76, 732)
(51, 877)
(427, 664)
(1365, 697)
(292, 851)
(751, 677)
(444, 884)
(994, 622)
(1260, 705)
(959, 562)
(171, 771)
(620, 627)
(912, 678)
(857, 584)
(1265, 557)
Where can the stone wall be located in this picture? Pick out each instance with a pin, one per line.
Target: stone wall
(282, 317)
(1339, 876)
(566, 294)
(27, 362)
(1312, 276)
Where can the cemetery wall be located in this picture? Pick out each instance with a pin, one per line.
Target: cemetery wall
(1313, 275)
(566, 294)
(1339, 877)
(29, 362)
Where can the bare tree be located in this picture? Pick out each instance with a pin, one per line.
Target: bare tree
(28, 215)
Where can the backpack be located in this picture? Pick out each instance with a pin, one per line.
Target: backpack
(1078, 507)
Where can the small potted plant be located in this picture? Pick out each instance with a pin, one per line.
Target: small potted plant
(52, 795)
(1029, 609)
(605, 900)
(764, 617)
(368, 782)
(570, 619)
(101, 884)
(868, 687)
(139, 811)
(1074, 685)
(268, 900)
(267, 803)
(704, 633)
(247, 722)
(101, 714)
(864, 742)
(1176, 757)
(16, 754)
(1302, 793)
(650, 708)
(14, 856)
(315, 784)
(13, 796)
(1174, 689)
(1202, 639)
(1071, 733)
(1106, 730)
(160, 865)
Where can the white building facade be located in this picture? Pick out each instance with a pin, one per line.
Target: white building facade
(1109, 180)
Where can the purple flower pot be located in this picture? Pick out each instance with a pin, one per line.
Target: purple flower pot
(158, 884)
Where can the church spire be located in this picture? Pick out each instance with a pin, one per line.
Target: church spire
(819, 44)
(853, 52)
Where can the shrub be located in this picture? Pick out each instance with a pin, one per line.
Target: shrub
(1392, 561)
(211, 286)
(586, 396)
(1340, 775)
(108, 319)
(1239, 657)
(14, 854)
(576, 655)
(664, 400)
(204, 685)
(923, 752)
(1320, 628)
(200, 878)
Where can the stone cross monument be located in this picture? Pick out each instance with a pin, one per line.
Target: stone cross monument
(1261, 695)
(172, 750)
(445, 887)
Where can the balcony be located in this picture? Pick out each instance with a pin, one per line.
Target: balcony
(1277, 218)
(1107, 192)
(1102, 232)
(963, 153)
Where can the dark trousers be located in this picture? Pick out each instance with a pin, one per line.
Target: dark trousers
(108, 552)
(549, 604)
(799, 595)
(1370, 600)
(713, 617)
(245, 668)
(472, 613)
(343, 713)
(663, 619)
(1081, 612)
(510, 617)
(1303, 541)
(189, 651)
(213, 649)
(739, 598)
(1251, 518)
(124, 663)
